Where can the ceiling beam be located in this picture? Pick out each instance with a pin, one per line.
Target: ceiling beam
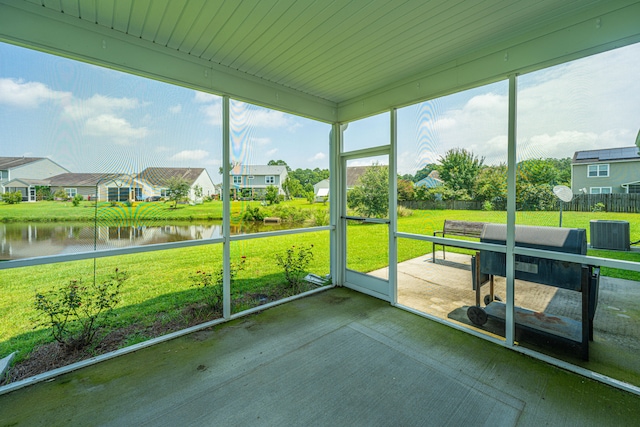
(596, 30)
(36, 27)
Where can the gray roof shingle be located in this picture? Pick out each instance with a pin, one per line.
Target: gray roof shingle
(160, 176)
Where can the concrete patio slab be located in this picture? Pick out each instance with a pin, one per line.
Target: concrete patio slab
(336, 358)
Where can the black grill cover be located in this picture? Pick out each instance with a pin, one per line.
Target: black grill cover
(533, 269)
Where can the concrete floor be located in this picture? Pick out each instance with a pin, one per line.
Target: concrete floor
(443, 289)
(336, 358)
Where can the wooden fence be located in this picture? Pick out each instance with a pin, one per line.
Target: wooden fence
(628, 203)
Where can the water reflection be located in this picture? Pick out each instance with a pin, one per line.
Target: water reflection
(27, 240)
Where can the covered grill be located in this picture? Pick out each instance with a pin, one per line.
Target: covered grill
(567, 275)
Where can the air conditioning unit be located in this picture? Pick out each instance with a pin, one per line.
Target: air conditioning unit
(609, 234)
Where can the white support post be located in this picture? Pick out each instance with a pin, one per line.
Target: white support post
(226, 211)
(393, 208)
(336, 196)
(511, 213)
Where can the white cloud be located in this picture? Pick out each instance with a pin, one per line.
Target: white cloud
(115, 128)
(190, 155)
(244, 114)
(318, 156)
(271, 152)
(205, 98)
(213, 114)
(22, 94)
(77, 109)
(175, 109)
(262, 141)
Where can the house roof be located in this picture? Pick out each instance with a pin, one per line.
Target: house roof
(355, 172)
(160, 176)
(429, 182)
(26, 182)
(333, 61)
(606, 155)
(258, 170)
(83, 179)
(13, 162)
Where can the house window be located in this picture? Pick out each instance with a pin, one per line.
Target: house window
(4, 175)
(600, 190)
(270, 179)
(634, 189)
(71, 192)
(597, 170)
(237, 180)
(164, 192)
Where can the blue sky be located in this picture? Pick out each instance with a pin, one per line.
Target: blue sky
(89, 118)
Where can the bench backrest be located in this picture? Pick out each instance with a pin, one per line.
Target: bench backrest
(462, 228)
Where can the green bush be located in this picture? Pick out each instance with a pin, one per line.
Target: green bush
(311, 197)
(77, 199)
(210, 284)
(75, 312)
(404, 212)
(321, 217)
(290, 213)
(12, 198)
(294, 263)
(598, 207)
(60, 195)
(487, 206)
(253, 214)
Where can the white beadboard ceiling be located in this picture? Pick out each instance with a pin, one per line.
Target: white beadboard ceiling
(334, 51)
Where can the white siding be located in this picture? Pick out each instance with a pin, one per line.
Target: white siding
(39, 169)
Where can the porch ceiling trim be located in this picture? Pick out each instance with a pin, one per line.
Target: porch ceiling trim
(593, 31)
(589, 29)
(31, 26)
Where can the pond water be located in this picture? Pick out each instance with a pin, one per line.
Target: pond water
(27, 240)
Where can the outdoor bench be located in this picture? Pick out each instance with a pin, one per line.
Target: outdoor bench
(454, 227)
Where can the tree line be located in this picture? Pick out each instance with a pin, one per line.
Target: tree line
(464, 176)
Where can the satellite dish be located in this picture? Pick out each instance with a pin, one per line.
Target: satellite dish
(563, 193)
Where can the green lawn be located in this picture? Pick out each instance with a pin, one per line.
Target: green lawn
(140, 211)
(159, 283)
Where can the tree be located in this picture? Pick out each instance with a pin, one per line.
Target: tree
(491, 185)
(459, 170)
(197, 191)
(279, 163)
(292, 187)
(538, 172)
(405, 190)
(177, 190)
(424, 172)
(370, 197)
(272, 195)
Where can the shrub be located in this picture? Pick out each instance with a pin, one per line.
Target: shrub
(294, 263)
(310, 196)
(598, 207)
(60, 195)
(291, 213)
(272, 195)
(321, 217)
(75, 312)
(404, 212)
(12, 198)
(77, 199)
(253, 214)
(210, 285)
(487, 206)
